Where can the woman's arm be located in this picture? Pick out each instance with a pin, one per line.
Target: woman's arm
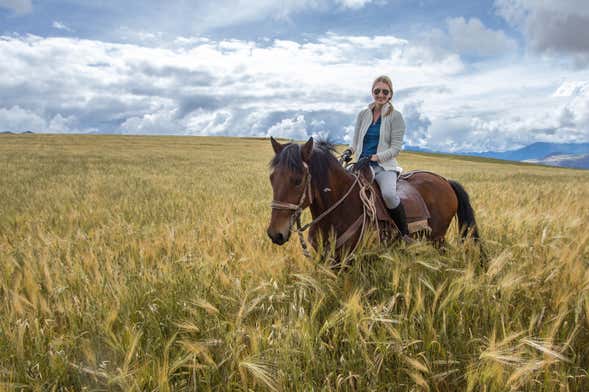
(356, 132)
(397, 133)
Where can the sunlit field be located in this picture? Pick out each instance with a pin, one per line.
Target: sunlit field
(142, 263)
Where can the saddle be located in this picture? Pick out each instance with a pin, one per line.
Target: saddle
(416, 210)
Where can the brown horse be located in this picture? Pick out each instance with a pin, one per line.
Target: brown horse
(310, 175)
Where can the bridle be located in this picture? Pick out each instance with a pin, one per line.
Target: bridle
(295, 217)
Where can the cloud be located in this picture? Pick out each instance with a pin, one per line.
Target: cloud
(18, 6)
(551, 27)
(290, 128)
(232, 12)
(572, 88)
(60, 26)
(17, 119)
(201, 86)
(472, 38)
(417, 124)
(353, 4)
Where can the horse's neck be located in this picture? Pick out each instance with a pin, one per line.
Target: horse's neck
(346, 212)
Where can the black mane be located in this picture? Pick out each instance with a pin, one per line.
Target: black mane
(290, 156)
(321, 160)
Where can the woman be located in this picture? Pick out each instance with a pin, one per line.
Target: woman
(378, 136)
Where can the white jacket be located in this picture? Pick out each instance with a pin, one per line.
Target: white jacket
(392, 130)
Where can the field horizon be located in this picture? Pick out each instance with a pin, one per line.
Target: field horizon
(142, 263)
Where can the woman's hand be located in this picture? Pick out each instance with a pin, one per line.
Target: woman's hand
(374, 158)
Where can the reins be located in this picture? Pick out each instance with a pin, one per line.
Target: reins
(368, 212)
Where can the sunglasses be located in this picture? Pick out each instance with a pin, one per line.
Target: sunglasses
(384, 92)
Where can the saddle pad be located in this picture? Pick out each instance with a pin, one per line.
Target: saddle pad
(415, 208)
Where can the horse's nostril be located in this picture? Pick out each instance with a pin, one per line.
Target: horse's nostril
(277, 238)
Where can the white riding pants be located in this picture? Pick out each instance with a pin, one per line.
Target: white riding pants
(387, 181)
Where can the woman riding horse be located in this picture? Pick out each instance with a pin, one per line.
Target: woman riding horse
(378, 137)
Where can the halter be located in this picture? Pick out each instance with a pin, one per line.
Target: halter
(368, 210)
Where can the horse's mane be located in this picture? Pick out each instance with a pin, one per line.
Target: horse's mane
(322, 160)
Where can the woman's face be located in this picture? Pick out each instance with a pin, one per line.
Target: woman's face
(381, 93)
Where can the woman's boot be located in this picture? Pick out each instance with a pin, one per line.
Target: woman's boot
(398, 215)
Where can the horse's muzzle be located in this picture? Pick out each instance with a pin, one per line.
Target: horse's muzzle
(277, 237)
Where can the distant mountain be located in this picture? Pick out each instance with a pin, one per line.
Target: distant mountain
(574, 155)
(575, 161)
(418, 149)
(537, 151)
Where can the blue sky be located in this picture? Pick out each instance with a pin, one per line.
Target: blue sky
(468, 76)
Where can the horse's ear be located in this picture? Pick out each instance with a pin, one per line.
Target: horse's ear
(276, 146)
(307, 150)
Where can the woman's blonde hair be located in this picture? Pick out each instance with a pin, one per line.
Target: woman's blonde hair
(386, 80)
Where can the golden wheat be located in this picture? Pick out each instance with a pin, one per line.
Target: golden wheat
(142, 263)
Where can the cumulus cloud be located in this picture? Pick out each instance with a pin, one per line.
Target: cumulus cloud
(551, 27)
(18, 6)
(290, 128)
(201, 86)
(61, 124)
(417, 124)
(18, 119)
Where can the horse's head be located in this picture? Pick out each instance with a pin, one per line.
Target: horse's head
(291, 187)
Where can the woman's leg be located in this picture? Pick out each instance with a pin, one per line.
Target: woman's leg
(387, 181)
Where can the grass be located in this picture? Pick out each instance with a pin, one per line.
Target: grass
(142, 263)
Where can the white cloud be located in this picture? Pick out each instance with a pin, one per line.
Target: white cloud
(471, 36)
(17, 119)
(573, 88)
(230, 12)
(60, 124)
(18, 6)
(290, 128)
(285, 88)
(60, 26)
(353, 4)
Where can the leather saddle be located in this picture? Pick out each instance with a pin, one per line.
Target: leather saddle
(416, 210)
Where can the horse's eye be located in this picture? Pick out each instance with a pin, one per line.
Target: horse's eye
(297, 181)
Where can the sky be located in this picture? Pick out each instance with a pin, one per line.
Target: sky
(467, 76)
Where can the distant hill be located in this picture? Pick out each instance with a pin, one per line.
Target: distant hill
(14, 133)
(574, 155)
(576, 161)
(537, 151)
(419, 149)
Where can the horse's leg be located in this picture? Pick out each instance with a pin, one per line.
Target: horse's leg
(440, 245)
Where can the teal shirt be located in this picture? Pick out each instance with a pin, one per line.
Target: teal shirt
(371, 139)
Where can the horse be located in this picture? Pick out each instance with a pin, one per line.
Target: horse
(310, 176)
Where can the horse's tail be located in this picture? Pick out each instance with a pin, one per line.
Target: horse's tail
(466, 221)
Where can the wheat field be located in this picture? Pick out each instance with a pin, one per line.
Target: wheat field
(142, 264)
